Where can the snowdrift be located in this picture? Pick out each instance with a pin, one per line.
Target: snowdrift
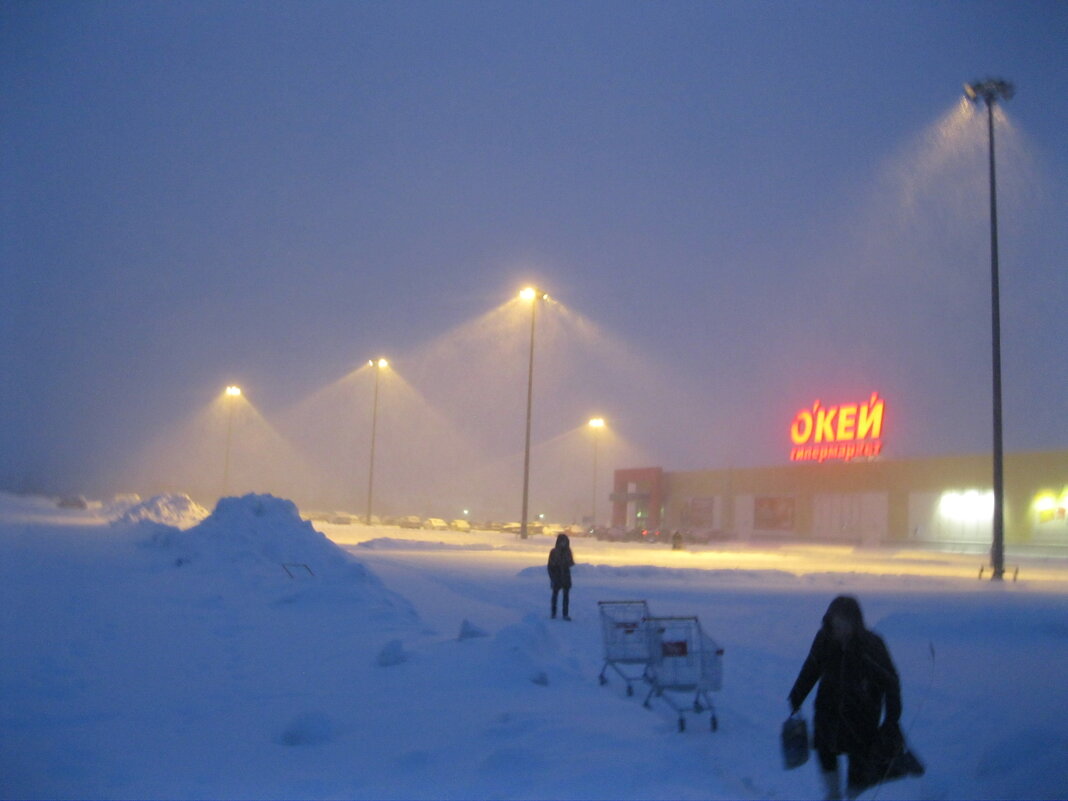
(260, 541)
(254, 533)
(170, 509)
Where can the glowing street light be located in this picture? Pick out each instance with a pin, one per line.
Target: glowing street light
(232, 393)
(989, 91)
(378, 365)
(532, 296)
(595, 424)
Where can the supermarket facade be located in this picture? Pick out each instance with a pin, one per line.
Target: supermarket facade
(838, 488)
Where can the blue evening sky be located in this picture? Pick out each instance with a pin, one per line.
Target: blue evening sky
(753, 205)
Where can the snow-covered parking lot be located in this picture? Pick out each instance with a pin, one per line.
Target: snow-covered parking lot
(251, 656)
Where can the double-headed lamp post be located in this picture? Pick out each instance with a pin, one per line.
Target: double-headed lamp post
(377, 365)
(989, 92)
(532, 296)
(232, 393)
(595, 424)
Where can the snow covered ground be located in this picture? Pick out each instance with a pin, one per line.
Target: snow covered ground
(150, 655)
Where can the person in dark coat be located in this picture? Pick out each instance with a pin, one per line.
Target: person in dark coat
(560, 563)
(858, 682)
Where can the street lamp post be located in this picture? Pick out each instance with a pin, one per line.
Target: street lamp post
(378, 365)
(989, 91)
(596, 424)
(232, 392)
(532, 296)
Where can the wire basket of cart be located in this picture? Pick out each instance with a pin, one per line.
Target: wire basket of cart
(627, 646)
(686, 665)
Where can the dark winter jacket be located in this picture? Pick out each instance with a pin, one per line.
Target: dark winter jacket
(560, 563)
(856, 679)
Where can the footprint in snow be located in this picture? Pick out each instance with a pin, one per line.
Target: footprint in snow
(310, 728)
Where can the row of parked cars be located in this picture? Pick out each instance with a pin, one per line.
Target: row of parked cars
(535, 527)
(459, 524)
(438, 524)
(696, 536)
(407, 521)
(432, 523)
(699, 536)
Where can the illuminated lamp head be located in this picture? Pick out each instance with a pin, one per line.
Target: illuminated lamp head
(530, 293)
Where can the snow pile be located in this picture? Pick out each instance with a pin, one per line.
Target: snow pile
(170, 509)
(527, 649)
(255, 534)
(260, 541)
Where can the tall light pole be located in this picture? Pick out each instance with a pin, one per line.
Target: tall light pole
(989, 91)
(532, 296)
(595, 424)
(232, 393)
(378, 365)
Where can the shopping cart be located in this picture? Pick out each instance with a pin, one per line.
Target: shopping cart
(684, 660)
(626, 641)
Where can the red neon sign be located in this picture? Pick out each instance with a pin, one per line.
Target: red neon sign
(847, 431)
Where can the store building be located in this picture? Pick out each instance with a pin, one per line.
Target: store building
(838, 488)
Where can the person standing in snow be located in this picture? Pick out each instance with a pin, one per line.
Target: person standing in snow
(560, 562)
(857, 681)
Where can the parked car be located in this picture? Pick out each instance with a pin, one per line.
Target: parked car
(650, 535)
(410, 521)
(532, 528)
(436, 524)
(460, 525)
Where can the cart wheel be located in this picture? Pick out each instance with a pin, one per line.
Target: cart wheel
(630, 690)
(715, 724)
(682, 724)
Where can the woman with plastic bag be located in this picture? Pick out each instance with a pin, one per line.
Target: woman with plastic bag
(858, 682)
